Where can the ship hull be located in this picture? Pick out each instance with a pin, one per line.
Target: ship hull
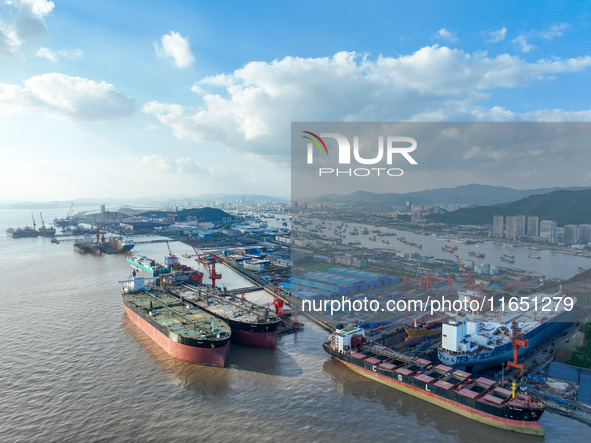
(265, 340)
(17, 234)
(117, 246)
(248, 334)
(418, 389)
(418, 335)
(87, 248)
(206, 355)
(244, 332)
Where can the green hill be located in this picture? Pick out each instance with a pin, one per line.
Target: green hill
(565, 207)
(201, 214)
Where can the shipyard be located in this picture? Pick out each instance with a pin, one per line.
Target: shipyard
(381, 297)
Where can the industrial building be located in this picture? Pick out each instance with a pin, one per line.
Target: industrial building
(338, 281)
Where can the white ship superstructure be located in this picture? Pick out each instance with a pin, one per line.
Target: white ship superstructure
(484, 341)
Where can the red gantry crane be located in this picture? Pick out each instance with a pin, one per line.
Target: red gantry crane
(518, 341)
(209, 265)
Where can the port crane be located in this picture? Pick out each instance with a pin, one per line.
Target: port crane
(209, 265)
(448, 279)
(422, 281)
(100, 237)
(518, 341)
(33, 221)
(291, 324)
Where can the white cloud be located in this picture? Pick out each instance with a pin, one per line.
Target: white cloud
(10, 43)
(497, 36)
(259, 100)
(478, 152)
(48, 54)
(521, 44)
(39, 8)
(23, 24)
(55, 56)
(553, 32)
(177, 47)
(198, 90)
(444, 34)
(74, 98)
(161, 163)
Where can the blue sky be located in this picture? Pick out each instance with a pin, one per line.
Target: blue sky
(133, 99)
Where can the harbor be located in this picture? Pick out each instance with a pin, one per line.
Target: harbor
(295, 353)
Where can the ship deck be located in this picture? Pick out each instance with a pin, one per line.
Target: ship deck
(226, 307)
(172, 314)
(480, 399)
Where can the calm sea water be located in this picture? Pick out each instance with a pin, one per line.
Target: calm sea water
(74, 368)
(550, 264)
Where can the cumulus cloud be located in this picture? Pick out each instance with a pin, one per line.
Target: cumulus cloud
(444, 34)
(38, 8)
(23, 24)
(497, 36)
(259, 100)
(177, 47)
(74, 98)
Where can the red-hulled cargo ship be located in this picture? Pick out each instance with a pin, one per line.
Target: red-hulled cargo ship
(176, 325)
(479, 399)
(252, 325)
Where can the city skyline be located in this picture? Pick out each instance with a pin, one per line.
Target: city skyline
(103, 99)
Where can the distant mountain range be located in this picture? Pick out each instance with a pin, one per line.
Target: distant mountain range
(564, 206)
(472, 194)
